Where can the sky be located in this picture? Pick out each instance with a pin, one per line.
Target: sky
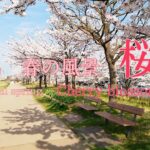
(12, 25)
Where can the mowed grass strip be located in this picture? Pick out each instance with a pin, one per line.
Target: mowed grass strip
(140, 137)
(3, 84)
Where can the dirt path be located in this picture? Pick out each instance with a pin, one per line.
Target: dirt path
(24, 125)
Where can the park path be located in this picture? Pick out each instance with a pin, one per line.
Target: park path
(25, 125)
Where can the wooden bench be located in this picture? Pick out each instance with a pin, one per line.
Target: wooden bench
(126, 108)
(88, 107)
(120, 120)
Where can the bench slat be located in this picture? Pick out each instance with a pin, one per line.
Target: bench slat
(127, 108)
(85, 106)
(92, 98)
(121, 121)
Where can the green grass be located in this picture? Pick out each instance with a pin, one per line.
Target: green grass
(3, 84)
(59, 107)
(31, 85)
(133, 101)
(139, 138)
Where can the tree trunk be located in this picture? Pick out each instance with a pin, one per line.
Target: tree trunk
(40, 81)
(66, 82)
(73, 82)
(23, 80)
(113, 82)
(56, 81)
(49, 78)
(45, 81)
(112, 73)
(30, 79)
(27, 81)
(110, 59)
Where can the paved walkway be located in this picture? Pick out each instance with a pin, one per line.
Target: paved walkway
(24, 125)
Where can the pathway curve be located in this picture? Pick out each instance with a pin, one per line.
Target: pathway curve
(24, 125)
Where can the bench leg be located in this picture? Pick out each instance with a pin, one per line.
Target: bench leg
(128, 131)
(106, 121)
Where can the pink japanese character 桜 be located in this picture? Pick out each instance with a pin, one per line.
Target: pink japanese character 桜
(50, 66)
(89, 67)
(142, 63)
(31, 67)
(70, 66)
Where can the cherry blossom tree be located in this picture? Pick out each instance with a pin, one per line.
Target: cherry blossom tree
(26, 48)
(58, 46)
(71, 45)
(106, 22)
(109, 23)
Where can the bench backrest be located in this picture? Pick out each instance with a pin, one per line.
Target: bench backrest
(92, 98)
(127, 108)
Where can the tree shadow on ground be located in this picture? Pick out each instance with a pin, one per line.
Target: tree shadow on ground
(33, 121)
(48, 146)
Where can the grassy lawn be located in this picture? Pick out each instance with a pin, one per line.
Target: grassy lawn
(31, 85)
(3, 84)
(139, 138)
